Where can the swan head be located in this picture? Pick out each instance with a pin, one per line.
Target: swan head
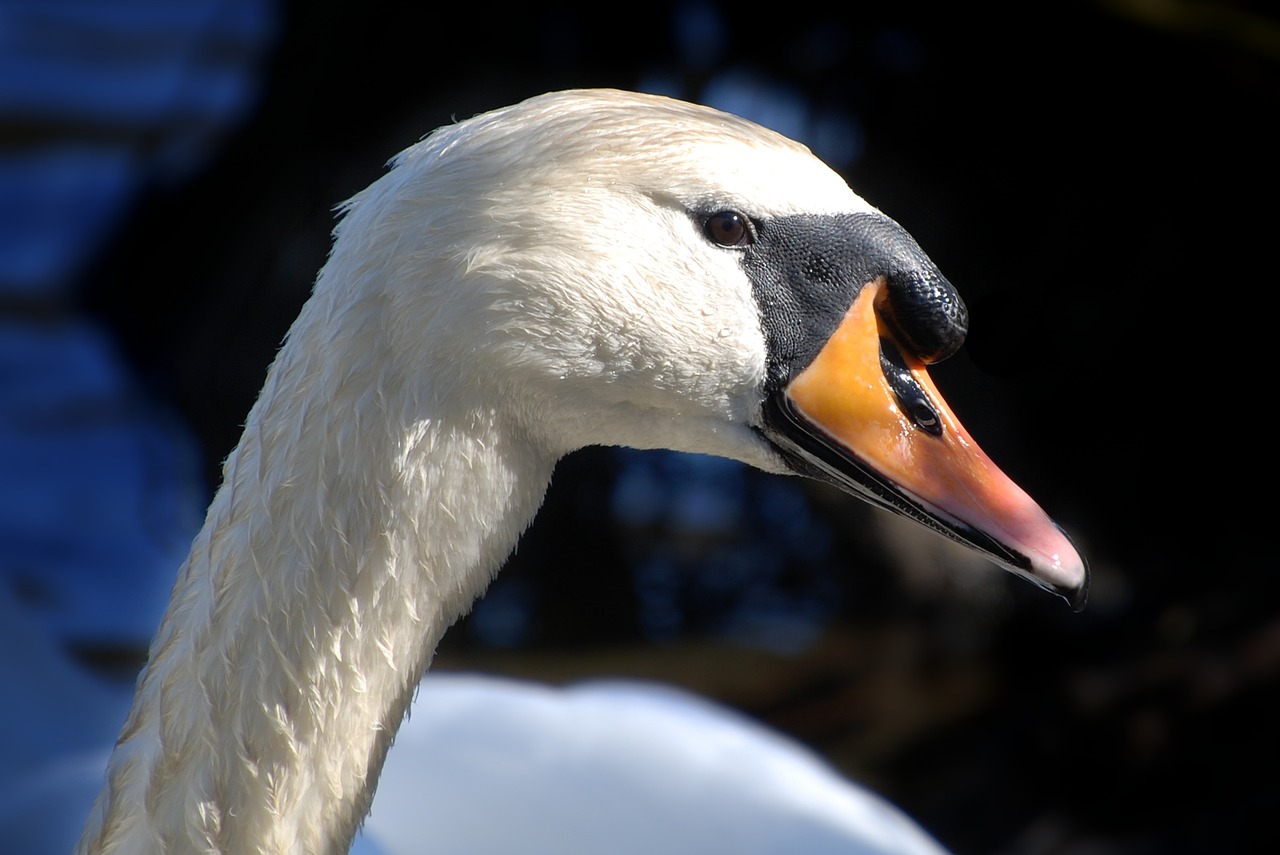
(608, 268)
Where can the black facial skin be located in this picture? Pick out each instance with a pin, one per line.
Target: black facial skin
(807, 271)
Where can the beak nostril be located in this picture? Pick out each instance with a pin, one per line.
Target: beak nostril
(925, 418)
(907, 391)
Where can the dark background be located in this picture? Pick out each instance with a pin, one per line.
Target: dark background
(1098, 179)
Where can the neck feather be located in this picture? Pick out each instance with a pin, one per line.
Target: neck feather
(347, 536)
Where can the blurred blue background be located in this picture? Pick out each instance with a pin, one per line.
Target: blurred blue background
(1098, 179)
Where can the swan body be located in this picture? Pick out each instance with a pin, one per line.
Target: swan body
(623, 767)
(586, 267)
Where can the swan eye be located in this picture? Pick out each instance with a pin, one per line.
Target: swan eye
(729, 228)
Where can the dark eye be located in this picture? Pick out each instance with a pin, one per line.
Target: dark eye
(729, 228)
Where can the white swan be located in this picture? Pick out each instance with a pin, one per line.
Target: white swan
(585, 267)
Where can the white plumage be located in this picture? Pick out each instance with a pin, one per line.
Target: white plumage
(565, 272)
(619, 767)
(486, 766)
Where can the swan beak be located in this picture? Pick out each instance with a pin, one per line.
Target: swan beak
(867, 416)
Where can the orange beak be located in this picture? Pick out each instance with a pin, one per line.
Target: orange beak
(868, 417)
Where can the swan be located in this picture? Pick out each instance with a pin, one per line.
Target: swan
(588, 267)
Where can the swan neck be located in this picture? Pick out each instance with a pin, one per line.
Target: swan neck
(345, 539)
